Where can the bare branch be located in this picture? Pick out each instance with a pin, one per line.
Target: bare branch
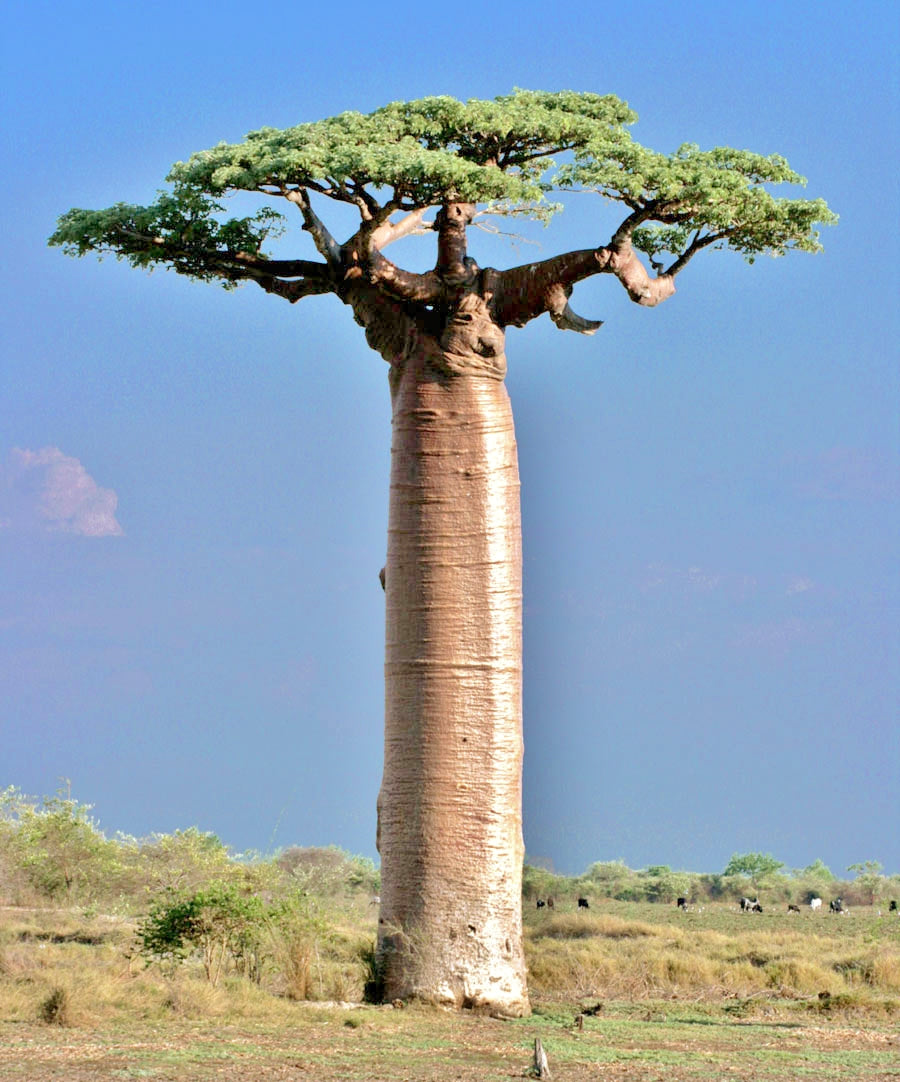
(325, 243)
(388, 232)
(696, 244)
(626, 229)
(283, 268)
(631, 272)
(523, 293)
(291, 291)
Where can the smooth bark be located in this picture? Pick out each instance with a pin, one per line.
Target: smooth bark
(450, 807)
(450, 832)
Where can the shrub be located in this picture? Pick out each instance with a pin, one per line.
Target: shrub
(219, 922)
(56, 1008)
(54, 848)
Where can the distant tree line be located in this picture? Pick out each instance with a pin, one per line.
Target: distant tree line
(53, 852)
(746, 874)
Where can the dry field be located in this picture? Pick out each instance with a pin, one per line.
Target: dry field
(675, 996)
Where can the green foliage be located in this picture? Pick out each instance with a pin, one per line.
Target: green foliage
(753, 865)
(701, 198)
(54, 845)
(661, 884)
(818, 870)
(218, 922)
(869, 878)
(425, 152)
(501, 154)
(542, 883)
(179, 230)
(232, 927)
(184, 860)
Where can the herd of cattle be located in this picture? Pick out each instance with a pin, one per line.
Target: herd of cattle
(748, 905)
(836, 905)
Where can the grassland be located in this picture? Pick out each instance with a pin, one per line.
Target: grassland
(662, 994)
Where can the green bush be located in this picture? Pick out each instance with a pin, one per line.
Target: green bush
(219, 923)
(54, 849)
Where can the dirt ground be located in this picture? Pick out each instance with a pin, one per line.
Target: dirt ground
(413, 1045)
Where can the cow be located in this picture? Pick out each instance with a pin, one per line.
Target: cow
(549, 903)
(837, 906)
(583, 903)
(892, 908)
(793, 909)
(681, 903)
(747, 904)
(815, 903)
(756, 908)
(541, 903)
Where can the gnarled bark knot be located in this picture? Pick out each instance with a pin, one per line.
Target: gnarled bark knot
(471, 343)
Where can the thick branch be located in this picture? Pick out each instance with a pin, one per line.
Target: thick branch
(452, 221)
(257, 266)
(235, 265)
(631, 272)
(523, 293)
(405, 285)
(291, 291)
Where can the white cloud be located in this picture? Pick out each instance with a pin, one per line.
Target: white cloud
(51, 492)
(799, 585)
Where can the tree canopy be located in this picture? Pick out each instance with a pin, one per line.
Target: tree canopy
(396, 165)
(753, 865)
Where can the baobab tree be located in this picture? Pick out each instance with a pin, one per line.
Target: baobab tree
(449, 817)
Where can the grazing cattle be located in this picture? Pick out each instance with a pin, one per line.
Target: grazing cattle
(747, 904)
(541, 903)
(549, 903)
(682, 903)
(793, 909)
(892, 908)
(815, 903)
(837, 906)
(583, 903)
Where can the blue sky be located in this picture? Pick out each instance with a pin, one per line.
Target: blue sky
(193, 483)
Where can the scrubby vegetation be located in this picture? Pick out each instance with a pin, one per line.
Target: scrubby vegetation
(179, 926)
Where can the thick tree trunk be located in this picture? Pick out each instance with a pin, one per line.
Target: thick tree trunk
(450, 833)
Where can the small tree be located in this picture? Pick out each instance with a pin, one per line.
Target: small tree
(869, 879)
(661, 884)
(755, 866)
(183, 861)
(818, 870)
(56, 846)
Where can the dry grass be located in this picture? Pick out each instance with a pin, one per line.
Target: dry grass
(640, 950)
(70, 970)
